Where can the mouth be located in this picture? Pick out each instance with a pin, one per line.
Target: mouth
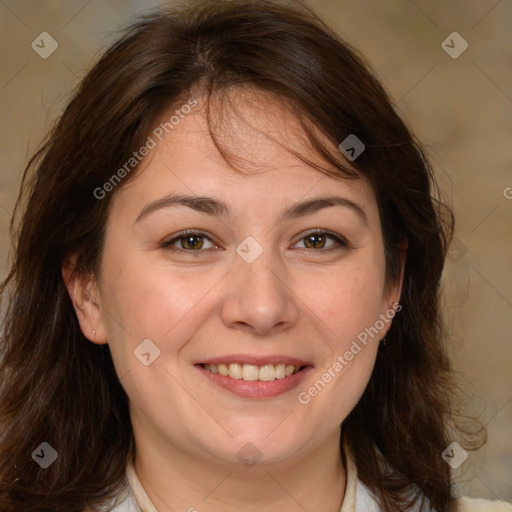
(251, 372)
(250, 377)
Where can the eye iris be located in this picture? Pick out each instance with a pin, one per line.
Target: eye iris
(310, 240)
(191, 242)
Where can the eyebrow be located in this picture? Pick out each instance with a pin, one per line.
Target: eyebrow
(217, 208)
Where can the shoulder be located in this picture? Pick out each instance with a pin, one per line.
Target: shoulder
(477, 505)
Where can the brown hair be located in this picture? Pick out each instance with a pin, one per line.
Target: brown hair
(58, 387)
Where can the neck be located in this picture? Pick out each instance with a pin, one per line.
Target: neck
(175, 480)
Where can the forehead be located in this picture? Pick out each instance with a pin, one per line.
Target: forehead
(259, 134)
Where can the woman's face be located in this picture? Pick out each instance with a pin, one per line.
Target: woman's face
(249, 290)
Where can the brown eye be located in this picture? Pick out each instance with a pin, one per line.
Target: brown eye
(315, 241)
(191, 242)
(318, 241)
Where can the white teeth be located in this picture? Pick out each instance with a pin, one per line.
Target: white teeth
(280, 371)
(235, 371)
(265, 373)
(250, 372)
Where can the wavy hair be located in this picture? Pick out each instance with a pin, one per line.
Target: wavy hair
(57, 387)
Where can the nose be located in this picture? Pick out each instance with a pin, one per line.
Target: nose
(258, 298)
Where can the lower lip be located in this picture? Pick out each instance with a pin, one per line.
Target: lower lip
(256, 388)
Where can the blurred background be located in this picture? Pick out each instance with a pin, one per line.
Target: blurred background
(447, 64)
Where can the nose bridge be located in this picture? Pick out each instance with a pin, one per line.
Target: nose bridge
(258, 296)
(265, 273)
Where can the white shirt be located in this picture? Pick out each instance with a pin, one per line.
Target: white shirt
(358, 497)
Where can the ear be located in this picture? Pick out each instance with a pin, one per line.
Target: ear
(85, 298)
(394, 290)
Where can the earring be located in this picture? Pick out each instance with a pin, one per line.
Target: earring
(383, 341)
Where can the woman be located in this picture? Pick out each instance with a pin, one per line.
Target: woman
(225, 287)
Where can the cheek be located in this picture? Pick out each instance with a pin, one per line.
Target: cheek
(350, 349)
(152, 300)
(348, 300)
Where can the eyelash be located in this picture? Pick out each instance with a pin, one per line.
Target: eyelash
(196, 253)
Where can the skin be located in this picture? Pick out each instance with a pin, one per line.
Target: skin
(293, 299)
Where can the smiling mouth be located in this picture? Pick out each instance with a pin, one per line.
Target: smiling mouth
(249, 372)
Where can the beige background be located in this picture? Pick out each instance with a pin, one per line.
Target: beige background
(460, 108)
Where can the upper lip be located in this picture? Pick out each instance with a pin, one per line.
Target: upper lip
(255, 360)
